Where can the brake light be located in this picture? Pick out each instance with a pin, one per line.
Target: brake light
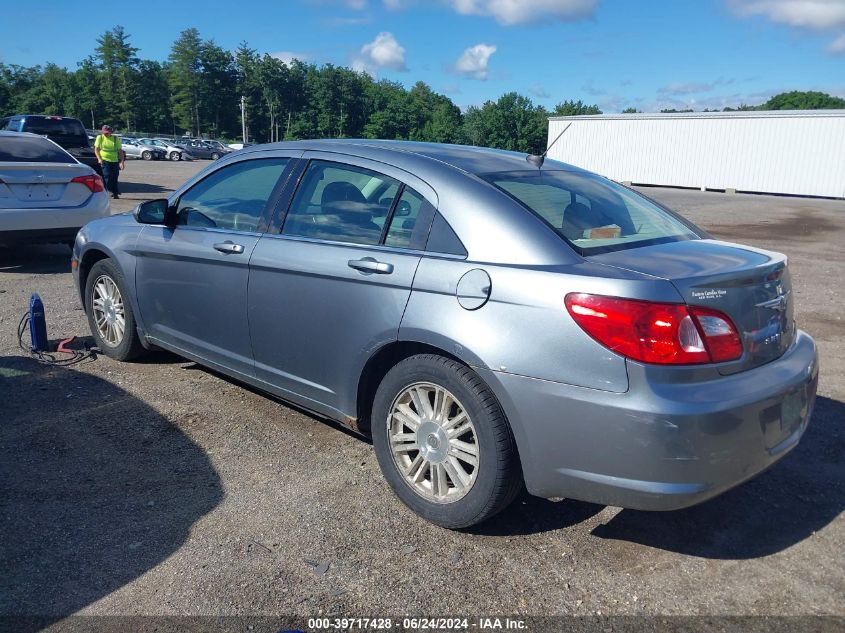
(93, 182)
(659, 333)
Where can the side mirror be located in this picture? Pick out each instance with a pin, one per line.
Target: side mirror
(155, 212)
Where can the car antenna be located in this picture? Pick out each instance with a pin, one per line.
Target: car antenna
(538, 159)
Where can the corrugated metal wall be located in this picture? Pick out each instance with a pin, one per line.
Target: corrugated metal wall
(792, 152)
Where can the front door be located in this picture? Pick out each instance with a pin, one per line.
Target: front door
(332, 287)
(192, 279)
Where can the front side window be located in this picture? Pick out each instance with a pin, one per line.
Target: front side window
(341, 203)
(233, 197)
(592, 213)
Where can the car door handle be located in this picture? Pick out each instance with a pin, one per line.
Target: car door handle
(229, 247)
(370, 265)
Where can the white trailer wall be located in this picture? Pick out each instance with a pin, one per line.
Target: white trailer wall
(793, 152)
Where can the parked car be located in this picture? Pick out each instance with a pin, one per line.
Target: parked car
(172, 152)
(67, 132)
(134, 149)
(200, 149)
(237, 146)
(485, 321)
(224, 149)
(46, 195)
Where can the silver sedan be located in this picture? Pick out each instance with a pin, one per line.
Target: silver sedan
(172, 152)
(135, 149)
(489, 321)
(46, 195)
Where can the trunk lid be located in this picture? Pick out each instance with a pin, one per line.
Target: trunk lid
(749, 285)
(39, 185)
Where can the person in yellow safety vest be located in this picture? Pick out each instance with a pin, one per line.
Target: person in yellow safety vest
(111, 157)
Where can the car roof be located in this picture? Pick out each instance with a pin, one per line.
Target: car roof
(467, 158)
(11, 133)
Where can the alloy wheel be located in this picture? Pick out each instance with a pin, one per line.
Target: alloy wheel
(433, 442)
(108, 310)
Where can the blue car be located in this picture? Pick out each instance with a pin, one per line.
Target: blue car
(491, 322)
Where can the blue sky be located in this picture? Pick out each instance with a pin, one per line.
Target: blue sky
(616, 53)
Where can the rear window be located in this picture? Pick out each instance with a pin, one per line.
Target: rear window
(32, 149)
(54, 127)
(593, 214)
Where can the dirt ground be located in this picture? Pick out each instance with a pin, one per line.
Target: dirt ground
(159, 488)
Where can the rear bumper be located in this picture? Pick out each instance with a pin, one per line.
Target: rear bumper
(50, 224)
(661, 445)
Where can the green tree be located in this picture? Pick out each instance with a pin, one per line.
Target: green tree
(575, 108)
(218, 86)
(119, 65)
(184, 78)
(797, 100)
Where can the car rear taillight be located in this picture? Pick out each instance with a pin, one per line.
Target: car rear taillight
(660, 333)
(93, 182)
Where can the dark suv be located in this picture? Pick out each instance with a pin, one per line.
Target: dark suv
(62, 130)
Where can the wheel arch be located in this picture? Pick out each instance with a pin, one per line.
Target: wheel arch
(95, 252)
(376, 368)
(90, 257)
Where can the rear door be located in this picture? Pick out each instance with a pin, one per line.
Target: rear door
(331, 285)
(191, 280)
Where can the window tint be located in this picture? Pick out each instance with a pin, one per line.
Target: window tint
(592, 213)
(404, 220)
(233, 197)
(31, 149)
(342, 203)
(443, 238)
(53, 127)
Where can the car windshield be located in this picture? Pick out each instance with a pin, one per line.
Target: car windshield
(593, 214)
(31, 149)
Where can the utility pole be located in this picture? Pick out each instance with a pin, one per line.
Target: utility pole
(243, 117)
(287, 130)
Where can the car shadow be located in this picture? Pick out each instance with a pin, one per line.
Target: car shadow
(798, 496)
(128, 186)
(35, 259)
(97, 489)
(533, 515)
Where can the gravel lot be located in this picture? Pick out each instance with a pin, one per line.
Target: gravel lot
(158, 488)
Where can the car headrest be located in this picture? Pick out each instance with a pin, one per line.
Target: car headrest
(343, 196)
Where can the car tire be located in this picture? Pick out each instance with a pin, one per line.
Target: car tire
(146, 155)
(438, 479)
(215, 156)
(175, 156)
(106, 300)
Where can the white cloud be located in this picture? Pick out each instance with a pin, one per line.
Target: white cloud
(510, 12)
(473, 63)
(382, 52)
(680, 88)
(288, 56)
(837, 46)
(810, 14)
(815, 15)
(539, 91)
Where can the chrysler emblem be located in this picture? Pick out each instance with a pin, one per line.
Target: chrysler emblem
(778, 303)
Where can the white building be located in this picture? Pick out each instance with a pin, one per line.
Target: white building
(798, 152)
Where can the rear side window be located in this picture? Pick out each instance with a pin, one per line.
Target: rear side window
(32, 149)
(592, 213)
(341, 203)
(54, 127)
(232, 198)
